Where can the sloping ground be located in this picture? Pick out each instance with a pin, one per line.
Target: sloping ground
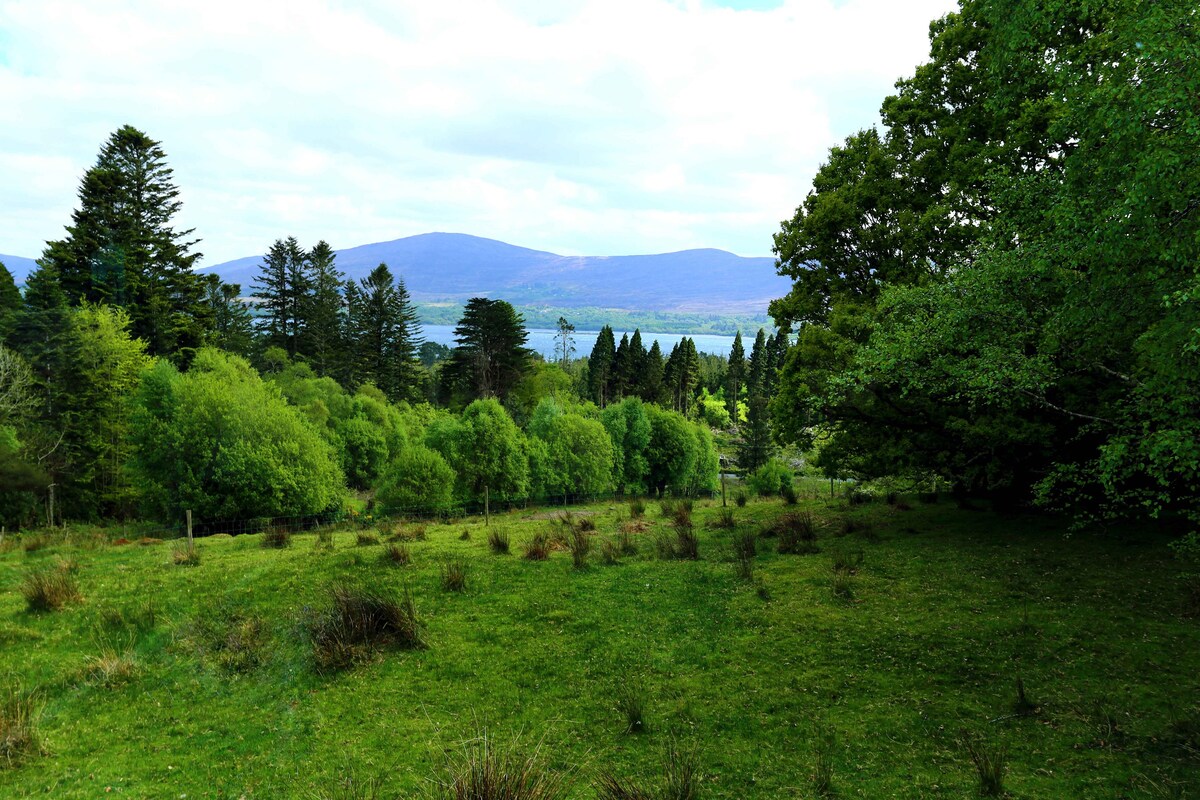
(946, 611)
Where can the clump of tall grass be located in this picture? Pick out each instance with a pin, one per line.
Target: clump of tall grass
(537, 547)
(498, 541)
(796, 531)
(842, 586)
(186, 554)
(631, 705)
(823, 749)
(360, 621)
(989, 761)
(465, 536)
(233, 639)
(397, 554)
(683, 545)
(277, 537)
(485, 770)
(19, 714)
(745, 548)
(51, 588)
(404, 533)
(626, 543)
(843, 559)
(724, 520)
(454, 575)
(788, 492)
(637, 508)
(115, 663)
(681, 779)
(324, 540)
(352, 787)
(366, 539)
(610, 552)
(581, 545)
(34, 542)
(740, 499)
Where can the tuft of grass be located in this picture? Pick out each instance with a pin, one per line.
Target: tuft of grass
(403, 533)
(19, 715)
(454, 575)
(486, 770)
(31, 544)
(586, 524)
(581, 545)
(349, 786)
(788, 493)
(626, 543)
(687, 544)
(114, 665)
(631, 705)
(233, 639)
(610, 787)
(537, 548)
(186, 554)
(277, 537)
(681, 772)
(359, 622)
(637, 508)
(740, 499)
(1023, 706)
(366, 539)
(50, 588)
(745, 548)
(465, 536)
(823, 749)
(397, 554)
(664, 545)
(498, 541)
(842, 586)
(724, 520)
(610, 552)
(989, 761)
(324, 539)
(681, 514)
(797, 533)
(845, 560)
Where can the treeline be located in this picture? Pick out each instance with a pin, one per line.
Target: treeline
(998, 289)
(131, 385)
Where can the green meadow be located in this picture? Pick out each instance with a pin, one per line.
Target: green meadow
(872, 661)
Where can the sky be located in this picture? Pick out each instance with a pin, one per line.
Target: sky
(582, 127)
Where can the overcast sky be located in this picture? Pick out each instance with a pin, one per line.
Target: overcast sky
(588, 127)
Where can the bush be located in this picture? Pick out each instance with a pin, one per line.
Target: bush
(397, 554)
(454, 575)
(538, 547)
(485, 771)
(418, 479)
(49, 589)
(277, 537)
(769, 479)
(19, 737)
(498, 541)
(360, 621)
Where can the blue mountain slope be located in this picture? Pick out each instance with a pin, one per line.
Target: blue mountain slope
(19, 267)
(453, 267)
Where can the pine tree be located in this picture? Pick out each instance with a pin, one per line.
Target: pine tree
(121, 248)
(490, 357)
(736, 376)
(564, 343)
(600, 366)
(637, 365)
(350, 370)
(758, 364)
(622, 370)
(652, 375)
(322, 311)
(233, 329)
(756, 433)
(385, 335)
(282, 287)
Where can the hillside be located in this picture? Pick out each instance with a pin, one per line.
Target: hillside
(439, 267)
(200, 681)
(18, 266)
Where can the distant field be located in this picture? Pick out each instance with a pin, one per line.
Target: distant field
(211, 690)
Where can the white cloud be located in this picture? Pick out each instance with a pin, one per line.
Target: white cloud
(595, 126)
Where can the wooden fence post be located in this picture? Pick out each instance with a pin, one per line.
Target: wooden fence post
(487, 515)
(189, 528)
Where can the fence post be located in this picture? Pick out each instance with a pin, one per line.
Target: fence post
(487, 516)
(189, 526)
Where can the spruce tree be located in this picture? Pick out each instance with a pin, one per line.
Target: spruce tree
(735, 376)
(637, 365)
(385, 335)
(121, 248)
(600, 366)
(652, 375)
(322, 312)
(622, 370)
(282, 288)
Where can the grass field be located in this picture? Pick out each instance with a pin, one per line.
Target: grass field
(173, 681)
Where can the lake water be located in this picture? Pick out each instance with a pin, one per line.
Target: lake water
(541, 340)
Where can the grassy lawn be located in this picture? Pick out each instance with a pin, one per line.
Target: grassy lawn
(219, 696)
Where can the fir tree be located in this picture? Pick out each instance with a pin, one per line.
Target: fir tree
(281, 287)
(323, 311)
(490, 357)
(600, 366)
(233, 330)
(121, 247)
(622, 370)
(652, 375)
(385, 335)
(735, 376)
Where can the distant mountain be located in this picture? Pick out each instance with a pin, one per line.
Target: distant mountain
(451, 267)
(19, 267)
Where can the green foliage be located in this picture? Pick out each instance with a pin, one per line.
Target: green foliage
(578, 455)
(417, 480)
(486, 450)
(628, 425)
(383, 336)
(671, 455)
(490, 357)
(364, 451)
(222, 442)
(770, 478)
